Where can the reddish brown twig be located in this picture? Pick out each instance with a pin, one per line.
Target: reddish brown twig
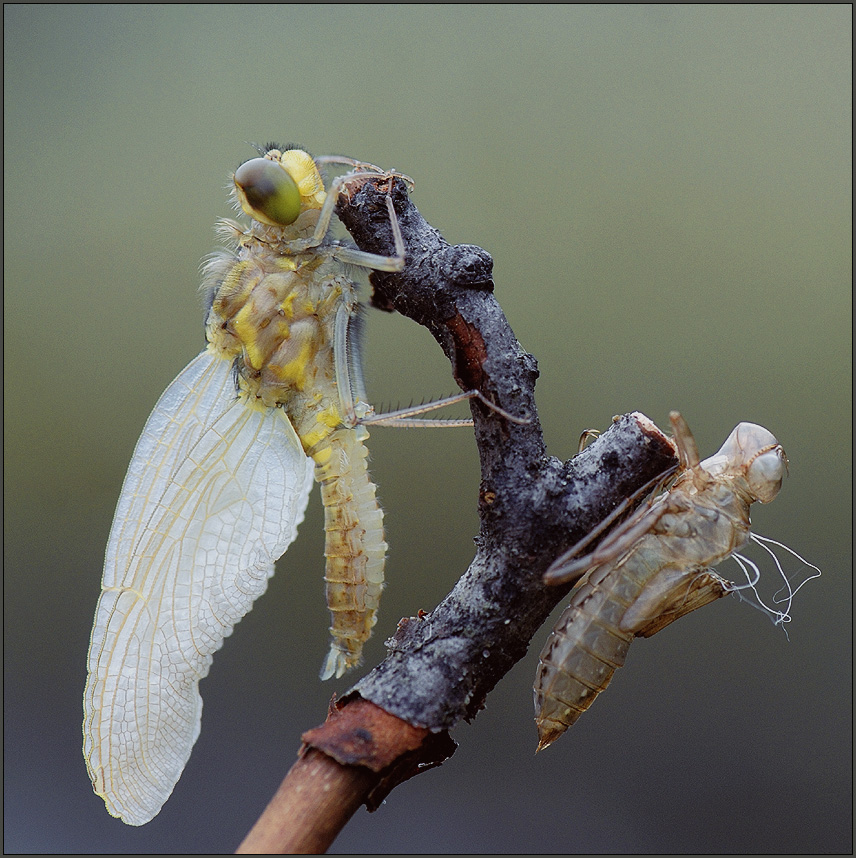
(312, 804)
(356, 757)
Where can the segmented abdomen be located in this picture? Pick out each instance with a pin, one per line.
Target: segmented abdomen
(584, 648)
(355, 548)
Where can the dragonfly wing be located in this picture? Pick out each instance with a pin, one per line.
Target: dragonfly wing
(213, 496)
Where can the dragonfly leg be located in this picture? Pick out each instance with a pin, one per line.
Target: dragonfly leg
(402, 417)
(374, 261)
(352, 255)
(364, 167)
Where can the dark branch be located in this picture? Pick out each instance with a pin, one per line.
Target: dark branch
(532, 506)
(441, 666)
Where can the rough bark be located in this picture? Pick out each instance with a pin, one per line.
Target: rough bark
(532, 507)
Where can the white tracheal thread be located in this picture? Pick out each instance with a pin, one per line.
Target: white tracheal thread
(784, 595)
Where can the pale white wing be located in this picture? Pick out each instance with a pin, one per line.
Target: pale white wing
(213, 496)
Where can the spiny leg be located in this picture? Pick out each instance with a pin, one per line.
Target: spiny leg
(363, 167)
(400, 418)
(354, 256)
(573, 561)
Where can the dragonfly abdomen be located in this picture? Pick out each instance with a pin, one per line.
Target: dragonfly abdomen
(355, 548)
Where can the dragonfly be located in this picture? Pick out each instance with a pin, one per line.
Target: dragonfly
(220, 477)
(654, 567)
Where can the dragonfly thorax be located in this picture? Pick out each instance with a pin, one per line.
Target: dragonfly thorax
(275, 316)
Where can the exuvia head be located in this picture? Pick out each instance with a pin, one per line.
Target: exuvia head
(752, 452)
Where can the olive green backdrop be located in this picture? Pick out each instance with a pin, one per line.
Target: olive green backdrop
(666, 192)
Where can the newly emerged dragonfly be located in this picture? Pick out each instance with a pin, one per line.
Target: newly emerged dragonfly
(220, 478)
(652, 569)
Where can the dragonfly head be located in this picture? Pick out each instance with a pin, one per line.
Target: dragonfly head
(278, 187)
(752, 452)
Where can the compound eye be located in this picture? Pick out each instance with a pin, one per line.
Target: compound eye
(267, 192)
(765, 474)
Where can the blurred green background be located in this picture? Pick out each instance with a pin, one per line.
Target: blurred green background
(666, 192)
